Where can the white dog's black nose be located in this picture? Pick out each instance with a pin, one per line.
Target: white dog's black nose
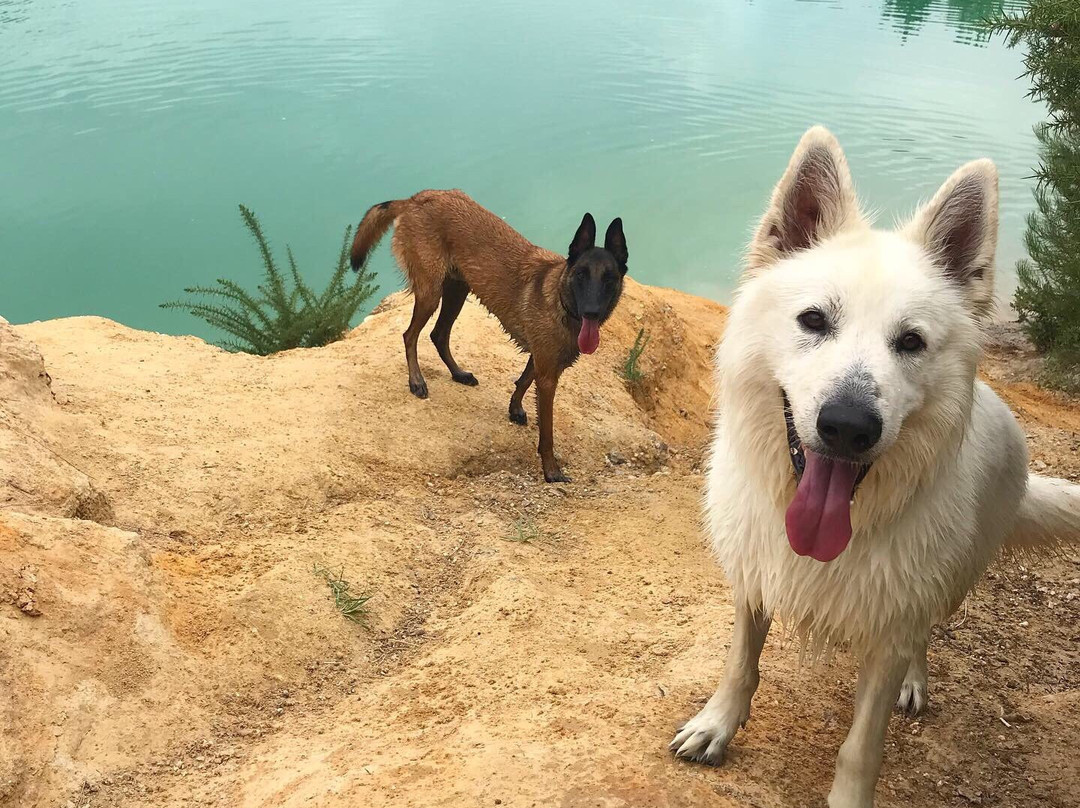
(848, 430)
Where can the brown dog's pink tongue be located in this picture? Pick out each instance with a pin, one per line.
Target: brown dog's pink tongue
(818, 520)
(588, 337)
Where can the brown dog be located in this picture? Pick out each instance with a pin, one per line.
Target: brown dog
(552, 307)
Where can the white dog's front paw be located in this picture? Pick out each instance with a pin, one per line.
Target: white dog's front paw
(838, 800)
(913, 697)
(705, 737)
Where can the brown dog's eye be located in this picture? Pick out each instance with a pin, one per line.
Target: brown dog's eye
(911, 342)
(813, 320)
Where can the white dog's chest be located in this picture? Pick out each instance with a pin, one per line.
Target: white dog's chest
(889, 586)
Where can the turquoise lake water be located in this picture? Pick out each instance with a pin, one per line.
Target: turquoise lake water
(130, 129)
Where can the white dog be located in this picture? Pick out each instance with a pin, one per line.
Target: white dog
(860, 478)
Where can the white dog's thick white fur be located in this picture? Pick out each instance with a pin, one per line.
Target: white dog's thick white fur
(948, 487)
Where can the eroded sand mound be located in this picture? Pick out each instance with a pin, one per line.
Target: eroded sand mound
(164, 641)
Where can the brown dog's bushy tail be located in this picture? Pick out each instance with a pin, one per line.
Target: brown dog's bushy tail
(372, 228)
(1049, 516)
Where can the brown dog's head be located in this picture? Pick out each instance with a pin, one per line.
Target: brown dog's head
(594, 278)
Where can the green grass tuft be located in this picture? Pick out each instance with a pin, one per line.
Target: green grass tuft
(629, 370)
(1062, 373)
(352, 607)
(283, 312)
(524, 531)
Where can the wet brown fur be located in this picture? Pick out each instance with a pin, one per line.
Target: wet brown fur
(447, 246)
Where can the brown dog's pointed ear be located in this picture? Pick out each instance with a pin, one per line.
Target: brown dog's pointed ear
(615, 243)
(958, 228)
(813, 200)
(584, 238)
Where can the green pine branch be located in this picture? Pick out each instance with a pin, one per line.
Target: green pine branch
(284, 311)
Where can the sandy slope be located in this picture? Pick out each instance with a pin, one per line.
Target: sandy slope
(163, 640)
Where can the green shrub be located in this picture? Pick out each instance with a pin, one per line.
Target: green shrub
(283, 312)
(1047, 298)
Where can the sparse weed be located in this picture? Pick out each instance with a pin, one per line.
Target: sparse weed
(524, 531)
(1062, 373)
(352, 607)
(630, 370)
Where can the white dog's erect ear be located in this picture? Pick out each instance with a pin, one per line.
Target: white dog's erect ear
(813, 200)
(958, 227)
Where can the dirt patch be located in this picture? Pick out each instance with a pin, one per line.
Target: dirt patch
(525, 644)
(1050, 418)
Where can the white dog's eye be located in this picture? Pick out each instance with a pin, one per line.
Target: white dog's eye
(911, 342)
(813, 320)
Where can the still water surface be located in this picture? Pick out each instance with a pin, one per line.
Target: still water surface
(130, 129)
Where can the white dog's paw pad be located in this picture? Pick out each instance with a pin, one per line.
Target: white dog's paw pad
(704, 738)
(913, 698)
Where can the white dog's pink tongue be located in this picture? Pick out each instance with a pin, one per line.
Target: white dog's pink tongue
(588, 337)
(818, 520)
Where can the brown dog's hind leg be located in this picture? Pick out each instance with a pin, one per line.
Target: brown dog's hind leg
(454, 293)
(517, 412)
(424, 305)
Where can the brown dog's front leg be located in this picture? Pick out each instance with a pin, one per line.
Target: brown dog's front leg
(545, 407)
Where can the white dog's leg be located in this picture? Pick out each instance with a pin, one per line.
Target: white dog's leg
(914, 692)
(859, 761)
(705, 736)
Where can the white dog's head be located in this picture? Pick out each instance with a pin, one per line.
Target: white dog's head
(870, 338)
